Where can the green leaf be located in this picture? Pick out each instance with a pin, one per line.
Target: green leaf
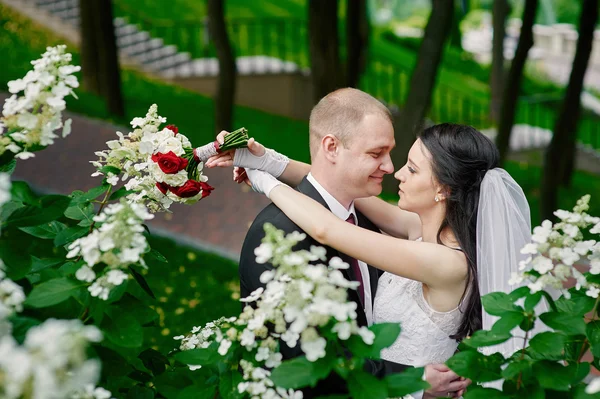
(519, 293)
(142, 282)
(593, 335)
(122, 192)
(567, 323)
(8, 167)
(156, 255)
(138, 309)
(532, 300)
(20, 191)
(52, 292)
(69, 268)
(406, 382)
(45, 231)
(41, 264)
(140, 376)
(498, 303)
(123, 330)
(486, 338)
(20, 326)
(552, 375)
(15, 255)
(548, 345)
(51, 207)
(198, 356)
(550, 301)
(579, 303)
(507, 322)
(477, 366)
(517, 367)
(154, 361)
(94, 192)
(109, 169)
(8, 209)
(80, 211)
(197, 392)
(385, 335)
(295, 373)
(69, 235)
(140, 392)
(363, 385)
(484, 393)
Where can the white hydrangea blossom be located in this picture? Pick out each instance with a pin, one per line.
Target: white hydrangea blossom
(117, 243)
(91, 392)
(132, 154)
(52, 362)
(30, 120)
(11, 296)
(298, 302)
(556, 248)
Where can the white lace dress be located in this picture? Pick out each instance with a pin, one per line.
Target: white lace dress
(425, 336)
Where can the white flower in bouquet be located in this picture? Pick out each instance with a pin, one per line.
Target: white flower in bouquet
(30, 120)
(118, 243)
(158, 165)
(52, 362)
(556, 248)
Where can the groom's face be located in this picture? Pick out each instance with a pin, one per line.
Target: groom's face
(366, 159)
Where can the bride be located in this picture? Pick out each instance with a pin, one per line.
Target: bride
(454, 236)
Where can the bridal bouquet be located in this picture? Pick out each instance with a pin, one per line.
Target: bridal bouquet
(29, 120)
(159, 165)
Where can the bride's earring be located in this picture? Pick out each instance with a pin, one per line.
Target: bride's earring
(437, 199)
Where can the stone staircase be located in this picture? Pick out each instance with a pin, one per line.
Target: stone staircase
(156, 57)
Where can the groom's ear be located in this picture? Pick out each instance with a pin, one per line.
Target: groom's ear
(330, 147)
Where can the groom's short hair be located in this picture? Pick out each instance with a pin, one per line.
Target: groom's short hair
(339, 113)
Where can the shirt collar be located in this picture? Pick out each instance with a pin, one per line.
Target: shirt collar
(334, 205)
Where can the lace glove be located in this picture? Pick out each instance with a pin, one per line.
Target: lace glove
(262, 182)
(207, 151)
(271, 161)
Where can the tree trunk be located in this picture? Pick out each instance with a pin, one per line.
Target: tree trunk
(559, 159)
(108, 57)
(500, 11)
(324, 51)
(513, 82)
(357, 37)
(225, 97)
(422, 81)
(89, 55)
(588, 21)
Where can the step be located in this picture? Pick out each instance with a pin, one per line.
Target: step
(67, 14)
(57, 6)
(168, 62)
(125, 30)
(123, 42)
(156, 54)
(143, 47)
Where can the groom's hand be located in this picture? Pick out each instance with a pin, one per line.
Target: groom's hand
(225, 159)
(444, 382)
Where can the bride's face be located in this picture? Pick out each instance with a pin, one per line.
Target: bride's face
(418, 187)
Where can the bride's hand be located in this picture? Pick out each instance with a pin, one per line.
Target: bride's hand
(225, 159)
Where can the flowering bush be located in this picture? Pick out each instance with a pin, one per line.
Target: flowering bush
(549, 363)
(302, 305)
(28, 121)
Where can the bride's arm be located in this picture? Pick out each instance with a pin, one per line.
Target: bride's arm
(294, 172)
(432, 264)
(389, 218)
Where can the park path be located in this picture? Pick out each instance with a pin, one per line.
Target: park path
(218, 223)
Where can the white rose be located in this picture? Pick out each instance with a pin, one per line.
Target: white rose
(171, 144)
(177, 179)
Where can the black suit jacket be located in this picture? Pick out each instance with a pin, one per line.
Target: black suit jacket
(250, 272)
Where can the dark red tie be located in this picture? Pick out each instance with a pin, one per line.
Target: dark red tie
(356, 268)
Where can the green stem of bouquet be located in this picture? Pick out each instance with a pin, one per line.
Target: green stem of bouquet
(236, 139)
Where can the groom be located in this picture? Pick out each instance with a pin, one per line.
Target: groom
(351, 136)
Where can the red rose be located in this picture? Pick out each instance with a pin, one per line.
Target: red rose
(206, 189)
(173, 128)
(170, 163)
(189, 189)
(163, 187)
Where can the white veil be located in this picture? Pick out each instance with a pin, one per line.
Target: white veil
(503, 228)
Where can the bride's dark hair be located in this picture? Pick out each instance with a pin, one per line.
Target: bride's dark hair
(460, 157)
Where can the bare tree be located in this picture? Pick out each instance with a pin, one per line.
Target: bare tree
(515, 75)
(357, 38)
(225, 97)
(324, 47)
(423, 78)
(559, 159)
(500, 11)
(100, 59)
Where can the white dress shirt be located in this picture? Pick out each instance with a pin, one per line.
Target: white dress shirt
(338, 210)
